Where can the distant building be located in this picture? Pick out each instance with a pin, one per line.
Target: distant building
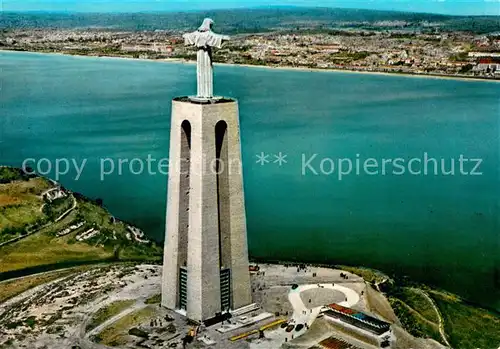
(487, 65)
(484, 54)
(54, 194)
(327, 48)
(154, 47)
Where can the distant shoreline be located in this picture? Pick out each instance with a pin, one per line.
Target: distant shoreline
(304, 69)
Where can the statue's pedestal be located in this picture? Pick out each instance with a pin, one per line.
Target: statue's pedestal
(205, 271)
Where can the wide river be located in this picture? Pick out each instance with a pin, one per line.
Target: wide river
(406, 218)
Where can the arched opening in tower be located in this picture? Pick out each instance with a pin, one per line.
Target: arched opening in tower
(223, 210)
(184, 173)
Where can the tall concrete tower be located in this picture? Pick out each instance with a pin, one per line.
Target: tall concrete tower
(205, 266)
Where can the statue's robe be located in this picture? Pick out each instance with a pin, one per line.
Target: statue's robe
(204, 41)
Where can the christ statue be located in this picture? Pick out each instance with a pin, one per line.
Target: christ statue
(204, 39)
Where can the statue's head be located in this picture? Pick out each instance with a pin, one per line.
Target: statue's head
(206, 25)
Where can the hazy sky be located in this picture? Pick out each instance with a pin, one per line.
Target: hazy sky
(458, 7)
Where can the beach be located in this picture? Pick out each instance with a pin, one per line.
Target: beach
(271, 67)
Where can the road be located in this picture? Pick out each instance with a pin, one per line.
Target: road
(11, 241)
(67, 211)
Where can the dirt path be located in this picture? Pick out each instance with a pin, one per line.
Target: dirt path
(416, 313)
(441, 321)
(378, 283)
(68, 211)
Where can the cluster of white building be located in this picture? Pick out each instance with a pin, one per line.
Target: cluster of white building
(54, 194)
(86, 235)
(137, 234)
(493, 68)
(70, 229)
(484, 54)
(488, 62)
(149, 47)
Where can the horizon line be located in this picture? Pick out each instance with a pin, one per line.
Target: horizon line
(248, 8)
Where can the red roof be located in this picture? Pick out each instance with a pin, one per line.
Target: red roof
(485, 60)
(342, 309)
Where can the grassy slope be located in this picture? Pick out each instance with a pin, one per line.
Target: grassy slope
(58, 207)
(413, 323)
(156, 299)
(467, 327)
(22, 203)
(42, 248)
(418, 302)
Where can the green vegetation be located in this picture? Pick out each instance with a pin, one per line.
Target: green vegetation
(251, 20)
(20, 204)
(245, 60)
(138, 333)
(369, 275)
(418, 302)
(459, 57)
(399, 35)
(10, 174)
(466, 326)
(10, 289)
(44, 249)
(23, 211)
(108, 312)
(347, 57)
(187, 56)
(156, 299)
(122, 248)
(413, 322)
(29, 322)
(466, 68)
(240, 48)
(7, 344)
(115, 335)
(57, 207)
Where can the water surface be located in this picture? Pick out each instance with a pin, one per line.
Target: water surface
(442, 230)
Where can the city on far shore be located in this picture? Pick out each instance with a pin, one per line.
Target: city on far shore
(388, 42)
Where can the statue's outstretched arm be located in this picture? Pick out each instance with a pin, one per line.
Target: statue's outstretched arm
(216, 40)
(189, 38)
